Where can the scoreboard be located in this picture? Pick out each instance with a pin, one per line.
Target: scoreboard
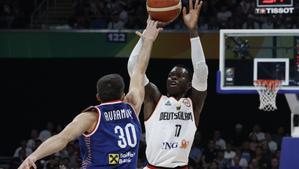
(274, 3)
(274, 7)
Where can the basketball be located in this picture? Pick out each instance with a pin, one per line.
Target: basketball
(164, 10)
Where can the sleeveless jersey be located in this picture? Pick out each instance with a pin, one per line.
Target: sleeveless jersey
(170, 132)
(115, 140)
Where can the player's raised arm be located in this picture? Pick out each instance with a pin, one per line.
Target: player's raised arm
(82, 123)
(200, 75)
(136, 88)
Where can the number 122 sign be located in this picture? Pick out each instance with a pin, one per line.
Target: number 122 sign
(274, 3)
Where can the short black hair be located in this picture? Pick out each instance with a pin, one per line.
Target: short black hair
(188, 69)
(110, 87)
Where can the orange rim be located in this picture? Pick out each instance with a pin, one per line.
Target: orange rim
(269, 84)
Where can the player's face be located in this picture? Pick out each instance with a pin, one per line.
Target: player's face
(177, 81)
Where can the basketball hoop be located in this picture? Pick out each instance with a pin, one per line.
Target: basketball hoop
(267, 90)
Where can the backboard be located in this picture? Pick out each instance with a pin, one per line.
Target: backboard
(249, 55)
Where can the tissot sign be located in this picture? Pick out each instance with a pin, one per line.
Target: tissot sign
(274, 7)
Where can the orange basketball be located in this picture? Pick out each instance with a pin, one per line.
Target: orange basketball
(164, 10)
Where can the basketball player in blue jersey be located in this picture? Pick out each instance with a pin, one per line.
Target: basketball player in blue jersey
(110, 132)
(171, 120)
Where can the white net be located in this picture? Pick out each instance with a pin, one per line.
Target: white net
(267, 90)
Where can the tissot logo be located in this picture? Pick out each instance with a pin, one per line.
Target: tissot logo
(274, 10)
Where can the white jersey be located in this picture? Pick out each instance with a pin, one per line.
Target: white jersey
(170, 132)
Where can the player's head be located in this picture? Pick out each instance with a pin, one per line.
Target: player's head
(110, 87)
(179, 81)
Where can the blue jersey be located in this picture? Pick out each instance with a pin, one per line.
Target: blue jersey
(115, 140)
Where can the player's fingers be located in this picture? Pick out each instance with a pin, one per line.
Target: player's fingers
(196, 5)
(199, 5)
(156, 24)
(162, 24)
(160, 29)
(190, 4)
(32, 163)
(138, 34)
(153, 23)
(24, 166)
(184, 11)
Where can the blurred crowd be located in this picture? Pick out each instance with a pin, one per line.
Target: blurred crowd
(251, 148)
(131, 14)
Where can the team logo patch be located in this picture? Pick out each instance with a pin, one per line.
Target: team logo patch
(113, 158)
(187, 102)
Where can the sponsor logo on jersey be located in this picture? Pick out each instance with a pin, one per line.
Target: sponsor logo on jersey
(113, 158)
(168, 103)
(184, 144)
(121, 158)
(169, 145)
(173, 145)
(176, 116)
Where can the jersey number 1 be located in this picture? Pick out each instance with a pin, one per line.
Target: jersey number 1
(127, 136)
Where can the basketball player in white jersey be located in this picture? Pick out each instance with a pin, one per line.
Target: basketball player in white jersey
(171, 120)
(104, 129)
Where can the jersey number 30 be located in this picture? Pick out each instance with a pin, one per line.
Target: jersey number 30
(127, 135)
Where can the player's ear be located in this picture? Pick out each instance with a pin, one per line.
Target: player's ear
(98, 97)
(123, 96)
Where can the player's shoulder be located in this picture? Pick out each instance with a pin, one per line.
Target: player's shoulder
(90, 109)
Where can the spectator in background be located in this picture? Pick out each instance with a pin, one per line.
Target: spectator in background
(271, 144)
(219, 141)
(267, 23)
(235, 163)
(242, 160)
(47, 132)
(258, 133)
(33, 137)
(277, 137)
(223, 164)
(23, 147)
(239, 135)
(246, 153)
(223, 16)
(251, 23)
(229, 153)
(213, 165)
(196, 151)
(115, 22)
(209, 153)
(274, 164)
(254, 164)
